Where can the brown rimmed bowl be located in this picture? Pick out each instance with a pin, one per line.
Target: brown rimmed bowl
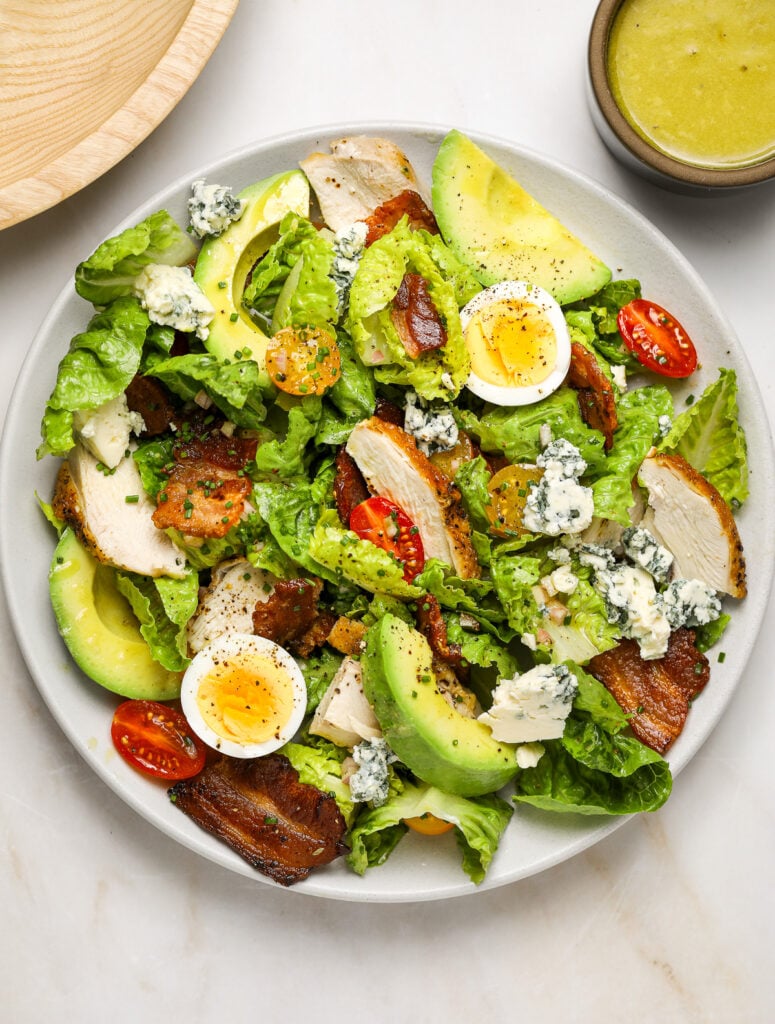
(631, 149)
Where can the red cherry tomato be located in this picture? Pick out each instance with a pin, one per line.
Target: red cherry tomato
(656, 339)
(157, 740)
(390, 528)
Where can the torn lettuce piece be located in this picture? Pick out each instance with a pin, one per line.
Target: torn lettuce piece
(319, 764)
(111, 269)
(438, 373)
(596, 316)
(479, 824)
(708, 435)
(639, 412)
(291, 285)
(237, 388)
(163, 606)
(98, 367)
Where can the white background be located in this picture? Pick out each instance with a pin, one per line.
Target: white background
(671, 918)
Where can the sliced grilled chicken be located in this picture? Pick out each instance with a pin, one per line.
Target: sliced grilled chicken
(111, 515)
(344, 716)
(690, 518)
(395, 468)
(358, 175)
(228, 604)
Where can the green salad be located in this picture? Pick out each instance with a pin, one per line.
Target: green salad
(375, 512)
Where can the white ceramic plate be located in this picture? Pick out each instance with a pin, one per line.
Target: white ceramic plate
(420, 868)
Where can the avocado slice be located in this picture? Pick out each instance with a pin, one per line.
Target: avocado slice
(100, 629)
(224, 262)
(456, 754)
(502, 232)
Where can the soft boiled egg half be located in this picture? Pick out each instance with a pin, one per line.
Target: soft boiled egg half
(518, 341)
(243, 695)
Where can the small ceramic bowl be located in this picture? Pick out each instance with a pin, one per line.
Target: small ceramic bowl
(632, 149)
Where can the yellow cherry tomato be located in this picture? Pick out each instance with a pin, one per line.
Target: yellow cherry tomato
(303, 360)
(448, 462)
(508, 489)
(429, 825)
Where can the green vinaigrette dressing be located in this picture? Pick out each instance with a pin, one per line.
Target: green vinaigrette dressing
(696, 78)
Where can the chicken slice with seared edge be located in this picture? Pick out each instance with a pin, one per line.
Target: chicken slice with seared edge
(396, 469)
(358, 175)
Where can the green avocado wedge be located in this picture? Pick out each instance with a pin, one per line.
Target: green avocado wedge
(224, 262)
(502, 232)
(100, 629)
(457, 755)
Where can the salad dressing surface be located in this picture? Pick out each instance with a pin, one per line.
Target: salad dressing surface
(697, 80)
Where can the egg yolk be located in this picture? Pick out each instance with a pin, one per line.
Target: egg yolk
(246, 700)
(511, 343)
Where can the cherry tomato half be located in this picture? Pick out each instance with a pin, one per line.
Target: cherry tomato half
(508, 490)
(390, 528)
(157, 740)
(429, 825)
(303, 360)
(656, 339)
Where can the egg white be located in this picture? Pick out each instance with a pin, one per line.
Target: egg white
(524, 291)
(243, 644)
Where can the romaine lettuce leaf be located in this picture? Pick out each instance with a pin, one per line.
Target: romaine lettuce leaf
(346, 556)
(378, 278)
(236, 388)
(709, 436)
(320, 764)
(515, 431)
(596, 317)
(290, 285)
(111, 269)
(351, 399)
(479, 823)
(287, 457)
(639, 411)
(163, 606)
(291, 509)
(98, 367)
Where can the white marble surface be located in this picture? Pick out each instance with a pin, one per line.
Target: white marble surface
(671, 918)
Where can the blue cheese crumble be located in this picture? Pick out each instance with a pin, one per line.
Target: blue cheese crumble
(371, 783)
(642, 548)
(532, 706)
(434, 429)
(632, 604)
(349, 243)
(690, 603)
(558, 503)
(172, 298)
(212, 208)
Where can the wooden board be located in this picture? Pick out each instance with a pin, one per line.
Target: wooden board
(82, 82)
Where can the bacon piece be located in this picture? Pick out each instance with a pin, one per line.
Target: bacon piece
(385, 217)
(434, 628)
(655, 693)
(315, 636)
(389, 411)
(289, 610)
(349, 486)
(597, 404)
(282, 827)
(151, 399)
(206, 490)
(415, 318)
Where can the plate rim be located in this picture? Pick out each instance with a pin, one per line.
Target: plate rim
(140, 114)
(199, 842)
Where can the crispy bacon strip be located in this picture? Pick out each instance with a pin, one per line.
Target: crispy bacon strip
(415, 318)
(433, 626)
(289, 611)
(151, 399)
(655, 693)
(389, 411)
(282, 827)
(385, 217)
(313, 637)
(595, 395)
(349, 486)
(206, 489)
